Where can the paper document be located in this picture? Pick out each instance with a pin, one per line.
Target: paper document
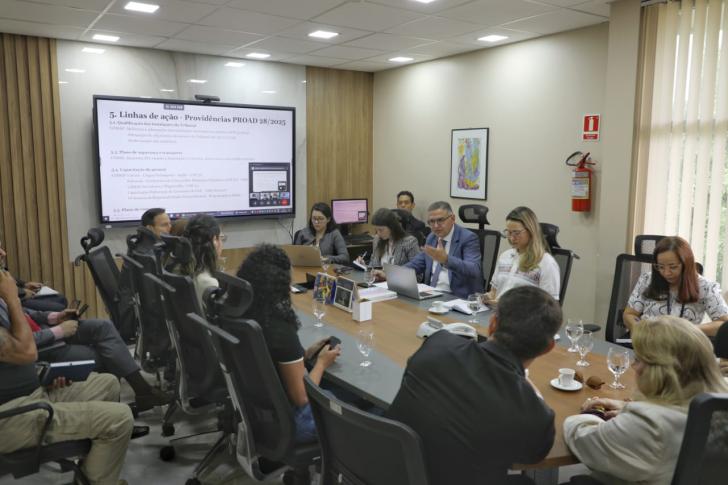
(462, 306)
(376, 293)
(46, 291)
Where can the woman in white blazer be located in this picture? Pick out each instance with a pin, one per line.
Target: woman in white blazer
(639, 441)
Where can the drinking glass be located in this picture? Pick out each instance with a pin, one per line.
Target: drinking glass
(365, 344)
(369, 275)
(221, 262)
(584, 345)
(574, 329)
(319, 310)
(473, 306)
(618, 363)
(325, 264)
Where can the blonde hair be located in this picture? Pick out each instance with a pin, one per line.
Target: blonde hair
(533, 254)
(678, 361)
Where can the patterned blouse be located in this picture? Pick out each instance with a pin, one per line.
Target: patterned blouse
(710, 301)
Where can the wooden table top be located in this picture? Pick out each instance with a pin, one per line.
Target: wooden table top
(396, 321)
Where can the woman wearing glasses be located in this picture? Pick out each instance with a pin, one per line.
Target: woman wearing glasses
(674, 287)
(528, 262)
(322, 233)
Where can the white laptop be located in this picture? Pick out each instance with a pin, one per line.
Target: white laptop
(303, 255)
(403, 280)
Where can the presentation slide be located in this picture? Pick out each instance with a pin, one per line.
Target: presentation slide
(188, 157)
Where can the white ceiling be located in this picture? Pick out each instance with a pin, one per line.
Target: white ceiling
(370, 31)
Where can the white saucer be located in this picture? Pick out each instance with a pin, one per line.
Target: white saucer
(575, 386)
(434, 310)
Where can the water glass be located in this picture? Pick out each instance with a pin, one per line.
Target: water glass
(319, 310)
(474, 306)
(584, 345)
(369, 275)
(574, 329)
(365, 344)
(221, 263)
(618, 363)
(325, 264)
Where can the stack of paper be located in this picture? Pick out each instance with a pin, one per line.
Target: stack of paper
(376, 293)
(462, 306)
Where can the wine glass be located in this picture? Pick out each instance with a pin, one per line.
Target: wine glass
(325, 264)
(365, 343)
(370, 276)
(618, 363)
(584, 345)
(473, 306)
(574, 329)
(319, 310)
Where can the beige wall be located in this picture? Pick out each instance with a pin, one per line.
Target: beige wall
(532, 95)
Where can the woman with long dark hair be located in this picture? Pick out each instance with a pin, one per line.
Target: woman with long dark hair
(674, 287)
(391, 244)
(207, 240)
(323, 233)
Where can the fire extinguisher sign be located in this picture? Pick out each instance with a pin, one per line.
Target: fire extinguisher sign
(590, 128)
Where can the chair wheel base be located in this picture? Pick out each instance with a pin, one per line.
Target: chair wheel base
(167, 429)
(192, 481)
(167, 453)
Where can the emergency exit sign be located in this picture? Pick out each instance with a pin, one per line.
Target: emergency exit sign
(590, 130)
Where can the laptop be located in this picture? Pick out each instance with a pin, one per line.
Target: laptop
(403, 281)
(303, 255)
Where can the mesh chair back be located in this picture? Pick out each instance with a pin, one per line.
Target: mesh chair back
(490, 245)
(474, 214)
(154, 337)
(626, 272)
(105, 274)
(550, 231)
(644, 244)
(359, 448)
(259, 389)
(721, 342)
(703, 458)
(564, 258)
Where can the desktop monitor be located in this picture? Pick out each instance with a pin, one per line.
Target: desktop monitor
(350, 211)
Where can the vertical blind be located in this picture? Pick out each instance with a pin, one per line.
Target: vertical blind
(686, 133)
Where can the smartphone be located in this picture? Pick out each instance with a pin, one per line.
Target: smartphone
(331, 341)
(81, 310)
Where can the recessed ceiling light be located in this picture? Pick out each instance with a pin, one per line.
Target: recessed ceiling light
(146, 97)
(93, 50)
(424, 1)
(268, 92)
(75, 70)
(258, 55)
(323, 34)
(141, 7)
(197, 81)
(492, 38)
(167, 90)
(62, 82)
(106, 38)
(234, 64)
(401, 59)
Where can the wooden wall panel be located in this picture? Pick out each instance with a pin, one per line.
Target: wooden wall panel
(339, 117)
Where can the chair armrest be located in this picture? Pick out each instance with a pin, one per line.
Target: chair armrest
(28, 408)
(53, 346)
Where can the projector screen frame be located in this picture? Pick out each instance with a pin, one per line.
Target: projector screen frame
(235, 218)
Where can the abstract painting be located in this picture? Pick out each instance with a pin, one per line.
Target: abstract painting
(469, 163)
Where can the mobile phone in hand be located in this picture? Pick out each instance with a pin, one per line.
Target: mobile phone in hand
(75, 303)
(81, 310)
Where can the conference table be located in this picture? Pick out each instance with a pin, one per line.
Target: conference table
(394, 324)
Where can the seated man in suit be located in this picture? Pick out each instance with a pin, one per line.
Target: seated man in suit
(471, 402)
(81, 410)
(450, 260)
(406, 202)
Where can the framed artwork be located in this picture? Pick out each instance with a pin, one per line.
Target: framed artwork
(469, 163)
(344, 294)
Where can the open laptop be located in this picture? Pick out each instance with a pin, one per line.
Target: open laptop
(303, 255)
(403, 280)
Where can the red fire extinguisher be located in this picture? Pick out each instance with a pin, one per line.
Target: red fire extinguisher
(581, 181)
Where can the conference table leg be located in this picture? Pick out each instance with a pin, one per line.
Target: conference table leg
(543, 476)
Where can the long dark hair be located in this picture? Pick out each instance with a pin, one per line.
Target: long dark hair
(201, 230)
(688, 289)
(268, 270)
(323, 208)
(387, 218)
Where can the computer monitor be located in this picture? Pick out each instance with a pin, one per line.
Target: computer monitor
(350, 211)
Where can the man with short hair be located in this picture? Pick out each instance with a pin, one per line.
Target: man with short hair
(450, 260)
(81, 410)
(157, 221)
(471, 402)
(406, 202)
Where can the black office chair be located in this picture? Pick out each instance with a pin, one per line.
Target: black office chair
(564, 258)
(627, 271)
(644, 244)
(363, 449)
(27, 461)
(474, 214)
(407, 220)
(264, 412)
(490, 245)
(550, 231)
(703, 458)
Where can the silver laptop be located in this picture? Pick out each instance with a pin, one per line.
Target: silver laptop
(403, 281)
(303, 255)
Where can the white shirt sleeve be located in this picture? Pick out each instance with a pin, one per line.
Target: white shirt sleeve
(712, 299)
(636, 301)
(550, 280)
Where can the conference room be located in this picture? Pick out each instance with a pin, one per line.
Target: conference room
(596, 115)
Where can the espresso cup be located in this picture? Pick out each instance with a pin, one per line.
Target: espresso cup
(566, 377)
(438, 305)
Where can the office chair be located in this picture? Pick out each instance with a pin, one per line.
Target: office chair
(27, 461)
(266, 430)
(644, 244)
(720, 344)
(363, 449)
(564, 258)
(474, 214)
(627, 271)
(490, 245)
(550, 231)
(407, 220)
(703, 458)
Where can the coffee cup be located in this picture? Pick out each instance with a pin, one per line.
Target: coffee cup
(439, 306)
(566, 377)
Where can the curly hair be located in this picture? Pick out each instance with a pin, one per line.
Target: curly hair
(201, 230)
(268, 270)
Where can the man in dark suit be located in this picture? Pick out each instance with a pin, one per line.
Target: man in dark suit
(406, 202)
(471, 402)
(450, 260)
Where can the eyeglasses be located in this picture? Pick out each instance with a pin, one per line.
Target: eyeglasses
(673, 268)
(318, 219)
(439, 221)
(507, 233)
